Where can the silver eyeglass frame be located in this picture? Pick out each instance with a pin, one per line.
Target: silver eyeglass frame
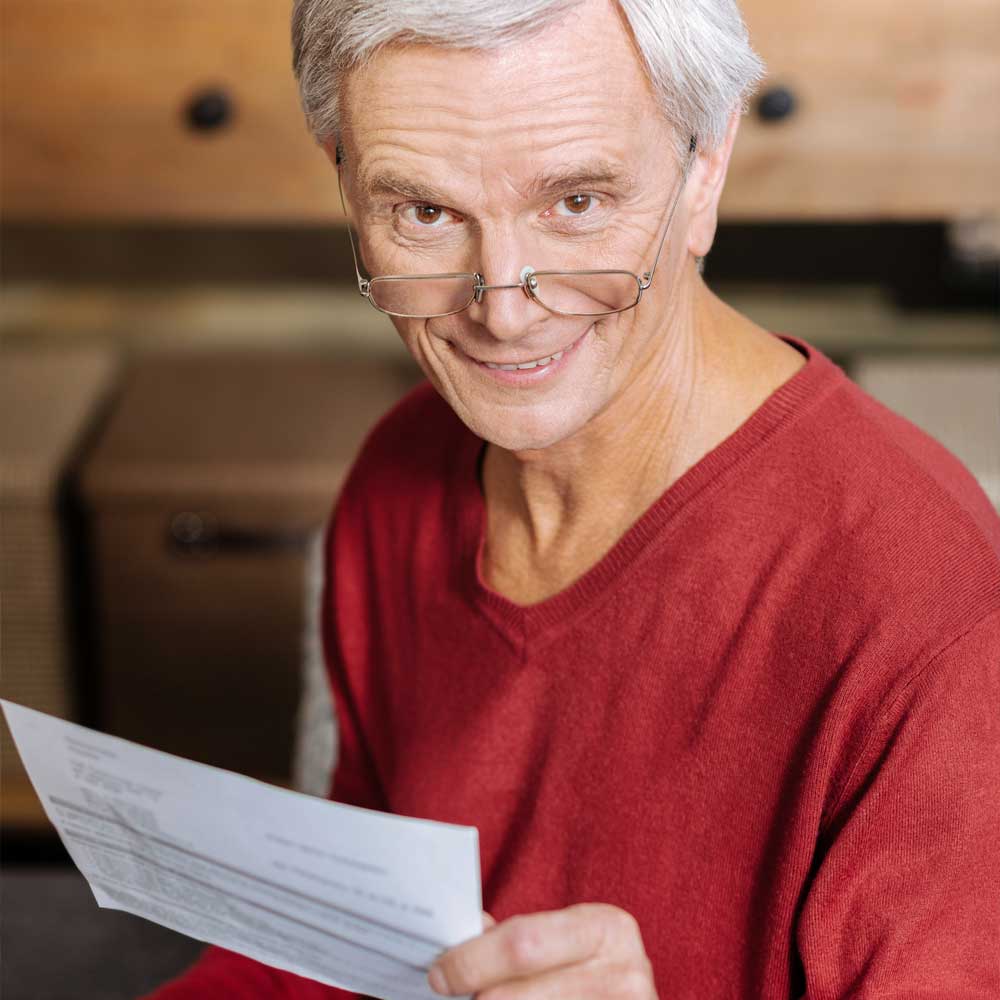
(528, 282)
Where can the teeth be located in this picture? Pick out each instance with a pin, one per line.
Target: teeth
(527, 364)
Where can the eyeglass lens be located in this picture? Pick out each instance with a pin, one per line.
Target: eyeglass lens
(423, 297)
(576, 293)
(579, 293)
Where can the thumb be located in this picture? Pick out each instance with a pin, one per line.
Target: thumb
(488, 921)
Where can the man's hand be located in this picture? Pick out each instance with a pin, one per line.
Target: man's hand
(587, 950)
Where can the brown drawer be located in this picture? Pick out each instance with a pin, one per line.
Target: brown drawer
(200, 652)
(206, 484)
(96, 97)
(895, 112)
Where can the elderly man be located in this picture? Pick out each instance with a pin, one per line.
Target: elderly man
(704, 640)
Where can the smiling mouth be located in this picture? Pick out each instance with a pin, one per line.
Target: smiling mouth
(526, 364)
(510, 366)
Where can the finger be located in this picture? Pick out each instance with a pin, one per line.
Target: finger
(488, 921)
(522, 946)
(593, 979)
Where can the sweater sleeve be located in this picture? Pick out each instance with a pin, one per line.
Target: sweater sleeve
(906, 895)
(222, 973)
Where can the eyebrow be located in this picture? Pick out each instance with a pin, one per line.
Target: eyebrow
(591, 173)
(385, 182)
(581, 175)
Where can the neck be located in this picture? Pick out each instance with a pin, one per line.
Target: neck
(551, 511)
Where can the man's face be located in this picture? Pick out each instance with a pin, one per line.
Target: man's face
(551, 153)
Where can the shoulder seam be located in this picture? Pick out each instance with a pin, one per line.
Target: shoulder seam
(877, 724)
(933, 483)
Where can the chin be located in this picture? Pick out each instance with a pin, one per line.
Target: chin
(521, 431)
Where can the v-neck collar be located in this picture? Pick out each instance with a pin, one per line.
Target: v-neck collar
(520, 624)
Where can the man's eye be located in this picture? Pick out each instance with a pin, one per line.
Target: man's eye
(424, 215)
(575, 204)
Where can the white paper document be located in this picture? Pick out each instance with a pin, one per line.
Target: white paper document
(350, 897)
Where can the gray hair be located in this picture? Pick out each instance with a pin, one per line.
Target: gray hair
(697, 52)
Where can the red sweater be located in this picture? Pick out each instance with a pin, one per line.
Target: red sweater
(767, 723)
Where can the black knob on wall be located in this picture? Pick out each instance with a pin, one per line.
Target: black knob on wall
(776, 104)
(209, 110)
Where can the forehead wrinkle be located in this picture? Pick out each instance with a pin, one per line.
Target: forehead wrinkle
(428, 128)
(503, 88)
(464, 162)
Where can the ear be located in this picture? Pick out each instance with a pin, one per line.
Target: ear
(331, 147)
(709, 178)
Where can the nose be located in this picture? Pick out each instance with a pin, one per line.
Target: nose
(506, 313)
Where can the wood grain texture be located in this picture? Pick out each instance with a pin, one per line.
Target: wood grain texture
(93, 119)
(896, 113)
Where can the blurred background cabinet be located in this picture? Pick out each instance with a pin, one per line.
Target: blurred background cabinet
(202, 494)
(50, 403)
(177, 110)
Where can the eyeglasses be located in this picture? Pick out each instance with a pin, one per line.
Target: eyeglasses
(567, 293)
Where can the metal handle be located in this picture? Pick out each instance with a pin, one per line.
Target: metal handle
(196, 533)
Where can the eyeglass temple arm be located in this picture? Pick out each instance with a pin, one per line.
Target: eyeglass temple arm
(647, 278)
(363, 283)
